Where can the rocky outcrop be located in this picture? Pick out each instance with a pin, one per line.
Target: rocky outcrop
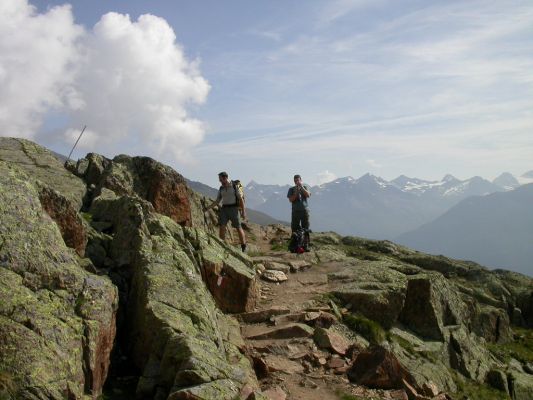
(229, 276)
(430, 305)
(58, 321)
(67, 218)
(372, 289)
(170, 322)
(174, 327)
(148, 179)
(41, 165)
(379, 368)
(60, 192)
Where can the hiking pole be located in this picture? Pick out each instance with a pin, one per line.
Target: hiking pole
(79, 137)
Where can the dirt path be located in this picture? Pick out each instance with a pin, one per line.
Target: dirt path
(284, 353)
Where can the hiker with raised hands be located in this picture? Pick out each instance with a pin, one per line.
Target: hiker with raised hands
(232, 206)
(298, 195)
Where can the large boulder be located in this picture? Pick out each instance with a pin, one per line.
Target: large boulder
(228, 274)
(41, 165)
(431, 303)
(57, 320)
(372, 289)
(427, 362)
(61, 193)
(469, 356)
(379, 368)
(492, 324)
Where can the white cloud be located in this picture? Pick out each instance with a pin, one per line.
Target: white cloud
(37, 52)
(128, 81)
(137, 83)
(325, 177)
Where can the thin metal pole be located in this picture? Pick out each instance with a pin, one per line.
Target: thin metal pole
(79, 137)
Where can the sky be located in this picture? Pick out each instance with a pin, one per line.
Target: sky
(267, 89)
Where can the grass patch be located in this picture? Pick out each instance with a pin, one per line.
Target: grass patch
(279, 246)
(361, 254)
(467, 389)
(86, 216)
(369, 329)
(8, 386)
(256, 253)
(405, 344)
(521, 348)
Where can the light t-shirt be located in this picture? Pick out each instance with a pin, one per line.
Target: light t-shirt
(301, 203)
(228, 195)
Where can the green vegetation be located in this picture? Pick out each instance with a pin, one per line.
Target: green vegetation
(467, 389)
(256, 253)
(86, 216)
(521, 348)
(406, 345)
(279, 246)
(370, 330)
(7, 386)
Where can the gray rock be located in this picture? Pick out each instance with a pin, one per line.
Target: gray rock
(274, 276)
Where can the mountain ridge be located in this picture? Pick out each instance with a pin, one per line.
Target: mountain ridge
(494, 230)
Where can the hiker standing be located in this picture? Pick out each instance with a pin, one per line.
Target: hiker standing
(232, 206)
(298, 196)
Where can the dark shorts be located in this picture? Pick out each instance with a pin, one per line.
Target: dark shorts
(300, 219)
(226, 214)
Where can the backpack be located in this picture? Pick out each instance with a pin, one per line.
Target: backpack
(297, 244)
(238, 188)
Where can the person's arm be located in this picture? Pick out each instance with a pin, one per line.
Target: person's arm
(215, 202)
(305, 191)
(294, 196)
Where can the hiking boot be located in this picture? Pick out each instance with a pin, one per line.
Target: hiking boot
(243, 247)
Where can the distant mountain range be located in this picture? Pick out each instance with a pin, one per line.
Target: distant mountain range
(495, 230)
(375, 208)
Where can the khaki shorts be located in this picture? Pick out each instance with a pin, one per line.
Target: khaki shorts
(226, 214)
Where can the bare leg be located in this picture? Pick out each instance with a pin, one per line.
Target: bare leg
(242, 238)
(222, 232)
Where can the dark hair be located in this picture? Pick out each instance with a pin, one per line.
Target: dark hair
(297, 176)
(223, 173)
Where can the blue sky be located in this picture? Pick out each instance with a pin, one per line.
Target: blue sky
(266, 89)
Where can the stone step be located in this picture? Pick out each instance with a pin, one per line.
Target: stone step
(262, 315)
(295, 330)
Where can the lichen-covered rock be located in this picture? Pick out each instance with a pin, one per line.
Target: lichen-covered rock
(176, 336)
(431, 303)
(229, 275)
(67, 218)
(427, 362)
(57, 320)
(492, 324)
(469, 356)
(60, 192)
(41, 165)
(521, 386)
(378, 368)
(373, 290)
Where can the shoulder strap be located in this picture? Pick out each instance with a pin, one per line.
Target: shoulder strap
(235, 191)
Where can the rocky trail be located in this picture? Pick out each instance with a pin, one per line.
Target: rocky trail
(298, 347)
